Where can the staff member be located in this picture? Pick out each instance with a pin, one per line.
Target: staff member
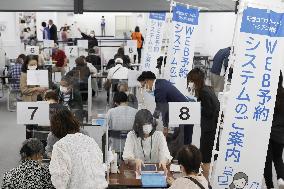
(53, 31)
(164, 93)
(144, 144)
(137, 35)
(210, 107)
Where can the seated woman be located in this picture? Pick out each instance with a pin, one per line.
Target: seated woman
(144, 144)
(30, 173)
(77, 160)
(189, 157)
(131, 98)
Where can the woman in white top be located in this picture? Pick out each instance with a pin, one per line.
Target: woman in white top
(77, 160)
(189, 158)
(144, 144)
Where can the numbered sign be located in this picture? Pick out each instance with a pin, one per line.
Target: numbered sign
(83, 44)
(48, 43)
(33, 113)
(37, 77)
(71, 51)
(131, 48)
(184, 113)
(32, 50)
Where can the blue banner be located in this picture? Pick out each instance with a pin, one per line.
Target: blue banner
(185, 15)
(158, 16)
(263, 22)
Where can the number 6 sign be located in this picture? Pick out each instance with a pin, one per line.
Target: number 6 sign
(32, 50)
(184, 113)
(33, 113)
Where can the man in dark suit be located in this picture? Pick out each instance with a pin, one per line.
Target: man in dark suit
(164, 93)
(52, 31)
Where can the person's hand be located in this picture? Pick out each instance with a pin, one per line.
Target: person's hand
(170, 180)
(163, 165)
(166, 131)
(138, 165)
(42, 89)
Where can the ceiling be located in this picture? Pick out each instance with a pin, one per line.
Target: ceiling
(111, 5)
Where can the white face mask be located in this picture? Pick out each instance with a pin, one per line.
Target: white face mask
(63, 89)
(147, 129)
(191, 88)
(32, 67)
(92, 35)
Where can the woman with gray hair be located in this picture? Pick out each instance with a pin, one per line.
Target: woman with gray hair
(30, 173)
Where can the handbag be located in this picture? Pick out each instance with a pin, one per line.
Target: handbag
(107, 84)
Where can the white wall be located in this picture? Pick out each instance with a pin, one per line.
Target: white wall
(215, 31)
(10, 38)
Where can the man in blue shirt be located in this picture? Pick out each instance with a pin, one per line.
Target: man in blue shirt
(220, 59)
(165, 92)
(45, 31)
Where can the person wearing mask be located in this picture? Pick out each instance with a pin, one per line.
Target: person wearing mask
(276, 142)
(144, 144)
(120, 118)
(30, 93)
(15, 72)
(30, 173)
(45, 31)
(77, 160)
(189, 159)
(210, 107)
(92, 40)
(80, 73)
(220, 61)
(94, 58)
(165, 92)
(53, 31)
(131, 98)
(125, 58)
(60, 59)
(68, 96)
(137, 35)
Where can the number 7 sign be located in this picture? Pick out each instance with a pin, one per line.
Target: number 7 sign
(184, 113)
(33, 113)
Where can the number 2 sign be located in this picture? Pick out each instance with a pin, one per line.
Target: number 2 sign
(33, 113)
(184, 113)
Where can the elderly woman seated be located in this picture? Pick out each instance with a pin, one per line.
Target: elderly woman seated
(30, 173)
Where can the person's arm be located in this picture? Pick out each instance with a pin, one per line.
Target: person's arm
(207, 107)
(60, 166)
(128, 152)
(162, 105)
(51, 140)
(164, 153)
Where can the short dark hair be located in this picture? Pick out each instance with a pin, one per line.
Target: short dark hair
(190, 158)
(146, 75)
(137, 29)
(143, 117)
(27, 60)
(51, 95)
(197, 76)
(120, 97)
(31, 147)
(43, 24)
(80, 61)
(22, 56)
(68, 79)
(63, 122)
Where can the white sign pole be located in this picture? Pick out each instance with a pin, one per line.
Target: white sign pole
(181, 47)
(247, 124)
(153, 42)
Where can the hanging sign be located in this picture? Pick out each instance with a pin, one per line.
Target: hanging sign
(247, 123)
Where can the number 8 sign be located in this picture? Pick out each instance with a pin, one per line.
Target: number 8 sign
(32, 50)
(33, 113)
(184, 113)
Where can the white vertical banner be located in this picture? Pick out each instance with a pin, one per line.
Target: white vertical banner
(247, 123)
(153, 41)
(181, 46)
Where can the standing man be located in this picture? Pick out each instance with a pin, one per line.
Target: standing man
(60, 59)
(45, 31)
(164, 93)
(103, 26)
(53, 31)
(220, 61)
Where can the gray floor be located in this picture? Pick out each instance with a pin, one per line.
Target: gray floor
(12, 135)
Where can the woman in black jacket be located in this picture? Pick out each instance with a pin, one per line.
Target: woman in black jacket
(276, 143)
(210, 107)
